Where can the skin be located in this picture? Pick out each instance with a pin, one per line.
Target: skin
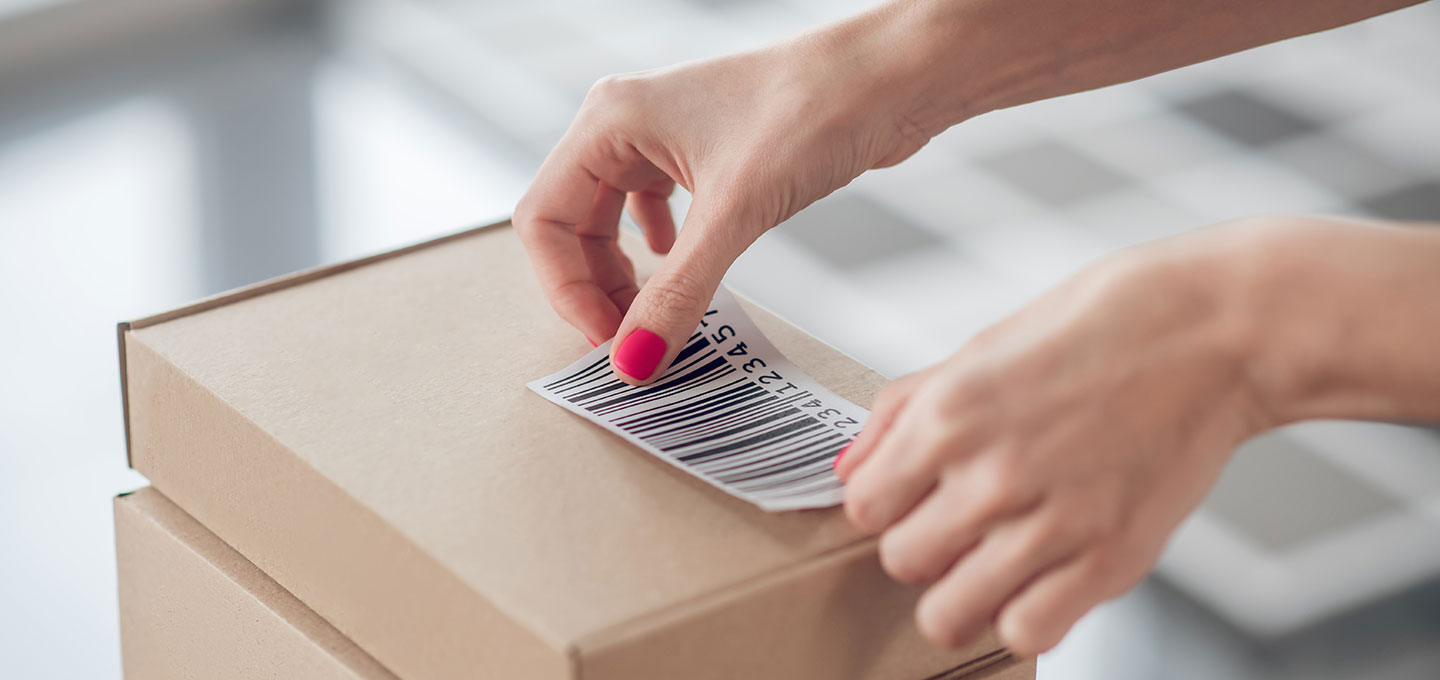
(1039, 470)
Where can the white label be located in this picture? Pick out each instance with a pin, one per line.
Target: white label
(731, 410)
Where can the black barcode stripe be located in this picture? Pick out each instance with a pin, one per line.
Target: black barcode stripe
(797, 425)
(598, 391)
(660, 400)
(690, 349)
(630, 392)
(601, 377)
(589, 370)
(740, 463)
(679, 409)
(745, 452)
(749, 404)
(771, 474)
(720, 421)
(664, 385)
(710, 373)
(752, 462)
(753, 409)
(703, 408)
(596, 370)
(775, 476)
(748, 426)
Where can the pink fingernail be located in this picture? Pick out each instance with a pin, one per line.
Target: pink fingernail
(840, 455)
(592, 342)
(639, 353)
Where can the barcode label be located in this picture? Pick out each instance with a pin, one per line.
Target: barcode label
(730, 409)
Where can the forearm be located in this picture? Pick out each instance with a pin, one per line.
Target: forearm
(1347, 319)
(950, 60)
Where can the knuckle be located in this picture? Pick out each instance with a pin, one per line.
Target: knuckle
(940, 626)
(613, 88)
(673, 296)
(1019, 633)
(860, 509)
(902, 561)
(1000, 484)
(524, 215)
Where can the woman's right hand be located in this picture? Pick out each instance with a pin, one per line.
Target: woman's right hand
(754, 137)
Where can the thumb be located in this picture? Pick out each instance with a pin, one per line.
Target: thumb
(668, 308)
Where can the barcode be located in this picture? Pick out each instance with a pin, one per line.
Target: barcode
(767, 436)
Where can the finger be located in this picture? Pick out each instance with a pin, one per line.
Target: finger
(900, 471)
(669, 306)
(650, 208)
(1040, 615)
(561, 197)
(956, 609)
(887, 407)
(928, 541)
(610, 269)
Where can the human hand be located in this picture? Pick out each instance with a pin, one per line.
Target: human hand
(754, 137)
(1040, 469)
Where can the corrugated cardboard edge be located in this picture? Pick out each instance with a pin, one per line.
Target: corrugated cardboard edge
(255, 290)
(182, 532)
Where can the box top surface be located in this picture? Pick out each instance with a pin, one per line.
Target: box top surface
(403, 383)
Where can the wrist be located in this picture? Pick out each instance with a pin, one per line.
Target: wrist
(893, 64)
(1342, 318)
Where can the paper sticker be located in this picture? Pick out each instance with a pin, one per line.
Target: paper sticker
(731, 410)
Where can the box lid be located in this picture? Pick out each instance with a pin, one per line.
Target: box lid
(364, 434)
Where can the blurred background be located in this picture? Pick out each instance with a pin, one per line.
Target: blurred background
(155, 151)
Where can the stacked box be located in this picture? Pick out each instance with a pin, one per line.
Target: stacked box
(360, 438)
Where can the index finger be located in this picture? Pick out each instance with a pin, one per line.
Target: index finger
(562, 196)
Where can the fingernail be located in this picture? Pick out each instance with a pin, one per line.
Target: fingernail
(640, 352)
(840, 455)
(592, 342)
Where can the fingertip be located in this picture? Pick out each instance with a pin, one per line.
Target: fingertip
(652, 213)
(638, 356)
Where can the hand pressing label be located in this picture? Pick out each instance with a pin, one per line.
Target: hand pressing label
(730, 409)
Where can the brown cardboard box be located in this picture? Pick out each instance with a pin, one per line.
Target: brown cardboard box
(192, 607)
(363, 434)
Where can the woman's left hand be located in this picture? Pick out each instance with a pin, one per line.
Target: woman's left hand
(1039, 470)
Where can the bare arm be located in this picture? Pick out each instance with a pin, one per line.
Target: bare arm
(982, 55)
(759, 135)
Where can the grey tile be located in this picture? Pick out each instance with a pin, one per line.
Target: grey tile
(1054, 172)
(1348, 169)
(1415, 202)
(848, 230)
(1281, 495)
(1245, 118)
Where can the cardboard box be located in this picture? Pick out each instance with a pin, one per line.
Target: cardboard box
(363, 434)
(192, 607)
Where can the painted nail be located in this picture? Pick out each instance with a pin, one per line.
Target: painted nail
(592, 342)
(840, 455)
(639, 353)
